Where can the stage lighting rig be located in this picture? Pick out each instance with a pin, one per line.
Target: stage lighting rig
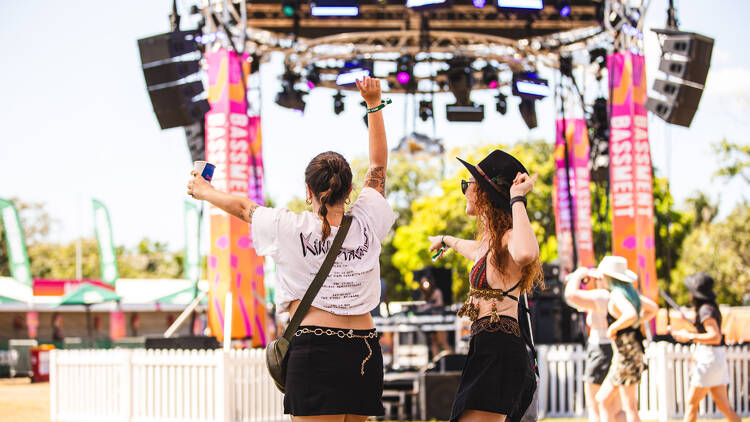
(426, 4)
(501, 104)
(489, 76)
(289, 7)
(529, 85)
(313, 76)
(425, 110)
(479, 4)
(563, 7)
(325, 8)
(527, 107)
(338, 103)
(405, 73)
(460, 81)
(290, 97)
(520, 4)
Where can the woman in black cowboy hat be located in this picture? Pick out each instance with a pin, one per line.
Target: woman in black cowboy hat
(498, 380)
(710, 373)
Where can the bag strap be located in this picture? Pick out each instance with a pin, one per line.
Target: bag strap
(320, 277)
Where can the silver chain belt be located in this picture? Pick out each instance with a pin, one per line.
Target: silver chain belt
(341, 334)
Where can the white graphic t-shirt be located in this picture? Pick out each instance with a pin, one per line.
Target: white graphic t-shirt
(294, 241)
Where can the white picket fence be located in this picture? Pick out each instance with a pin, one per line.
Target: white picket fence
(187, 385)
(162, 385)
(662, 391)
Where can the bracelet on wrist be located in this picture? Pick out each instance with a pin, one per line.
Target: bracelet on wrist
(519, 198)
(382, 105)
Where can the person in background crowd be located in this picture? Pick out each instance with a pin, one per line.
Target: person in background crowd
(57, 327)
(599, 347)
(334, 370)
(626, 312)
(434, 302)
(710, 372)
(498, 381)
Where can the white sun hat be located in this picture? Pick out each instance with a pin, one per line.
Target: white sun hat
(617, 268)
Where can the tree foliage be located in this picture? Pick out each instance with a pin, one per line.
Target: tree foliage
(721, 249)
(734, 159)
(444, 213)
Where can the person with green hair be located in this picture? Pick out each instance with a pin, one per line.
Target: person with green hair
(626, 311)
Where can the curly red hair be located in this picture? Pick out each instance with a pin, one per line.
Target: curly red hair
(499, 222)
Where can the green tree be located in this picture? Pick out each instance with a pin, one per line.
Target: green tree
(734, 159)
(721, 249)
(58, 261)
(444, 213)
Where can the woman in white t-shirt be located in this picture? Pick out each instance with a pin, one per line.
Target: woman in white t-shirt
(335, 365)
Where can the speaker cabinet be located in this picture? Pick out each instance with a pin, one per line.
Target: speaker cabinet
(436, 394)
(187, 342)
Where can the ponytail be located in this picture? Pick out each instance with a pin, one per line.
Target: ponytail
(329, 177)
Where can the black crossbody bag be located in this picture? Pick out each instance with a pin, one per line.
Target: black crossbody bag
(276, 350)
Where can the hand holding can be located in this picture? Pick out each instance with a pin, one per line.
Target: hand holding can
(198, 186)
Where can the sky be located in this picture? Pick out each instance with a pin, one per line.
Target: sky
(77, 123)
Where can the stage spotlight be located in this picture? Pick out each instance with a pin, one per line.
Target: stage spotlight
(426, 4)
(425, 110)
(479, 4)
(290, 97)
(405, 73)
(334, 8)
(313, 76)
(529, 85)
(489, 76)
(521, 4)
(502, 103)
(289, 7)
(461, 79)
(563, 6)
(338, 103)
(527, 107)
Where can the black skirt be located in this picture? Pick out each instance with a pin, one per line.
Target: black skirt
(326, 376)
(498, 376)
(598, 360)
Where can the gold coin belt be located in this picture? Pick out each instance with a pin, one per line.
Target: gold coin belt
(341, 334)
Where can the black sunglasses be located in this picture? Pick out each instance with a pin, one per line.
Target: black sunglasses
(465, 185)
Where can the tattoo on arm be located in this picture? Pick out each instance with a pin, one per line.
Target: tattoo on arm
(375, 179)
(250, 213)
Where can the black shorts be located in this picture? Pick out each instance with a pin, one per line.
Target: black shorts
(598, 360)
(498, 376)
(325, 374)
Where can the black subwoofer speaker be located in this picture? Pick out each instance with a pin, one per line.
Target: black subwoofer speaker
(436, 394)
(187, 342)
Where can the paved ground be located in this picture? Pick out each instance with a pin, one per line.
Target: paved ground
(22, 401)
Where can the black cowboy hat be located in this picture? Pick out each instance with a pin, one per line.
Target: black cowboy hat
(495, 174)
(701, 286)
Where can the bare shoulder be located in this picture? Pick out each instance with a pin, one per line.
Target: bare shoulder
(375, 179)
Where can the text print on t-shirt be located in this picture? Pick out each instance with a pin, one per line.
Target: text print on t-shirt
(316, 247)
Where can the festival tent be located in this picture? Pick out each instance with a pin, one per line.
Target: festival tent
(88, 294)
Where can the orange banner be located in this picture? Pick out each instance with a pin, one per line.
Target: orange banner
(233, 145)
(630, 170)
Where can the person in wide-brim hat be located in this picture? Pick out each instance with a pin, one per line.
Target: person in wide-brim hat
(498, 378)
(495, 175)
(710, 370)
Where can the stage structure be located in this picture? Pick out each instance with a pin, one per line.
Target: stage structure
(454, 47)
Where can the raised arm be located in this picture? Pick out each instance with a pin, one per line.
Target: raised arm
(375, 178)
(468, 248)
(574, 295)
(522, 244)
(238, 206)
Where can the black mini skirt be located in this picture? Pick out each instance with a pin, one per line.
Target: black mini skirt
(498, 376)
(332, 371)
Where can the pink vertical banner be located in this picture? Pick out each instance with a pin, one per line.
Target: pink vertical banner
(578, 209)
(644, 195)
(233, 145)
(621, 147)
(117, 328)
(562, 205)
